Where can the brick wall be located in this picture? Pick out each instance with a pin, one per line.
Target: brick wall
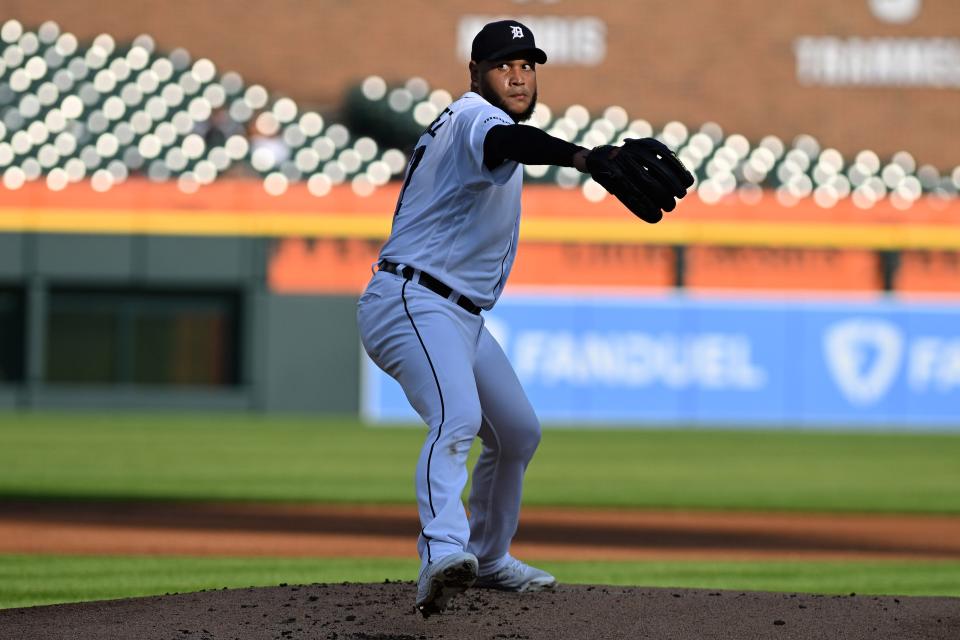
(731, 62)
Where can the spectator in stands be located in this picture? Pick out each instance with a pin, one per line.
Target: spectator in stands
(216, 129)
(262, 132)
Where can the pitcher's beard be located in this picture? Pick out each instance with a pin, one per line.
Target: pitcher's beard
(487, 91)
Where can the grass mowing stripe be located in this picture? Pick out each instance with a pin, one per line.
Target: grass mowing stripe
(251, 457)
(835, 577)
(27, 580)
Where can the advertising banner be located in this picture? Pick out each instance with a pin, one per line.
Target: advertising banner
(711, 362)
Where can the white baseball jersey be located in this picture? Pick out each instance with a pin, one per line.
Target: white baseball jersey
(459, 222)
(455, 219)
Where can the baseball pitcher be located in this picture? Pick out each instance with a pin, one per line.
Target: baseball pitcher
(448, 257)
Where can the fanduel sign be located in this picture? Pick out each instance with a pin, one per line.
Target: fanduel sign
(710, 362)
(866, 356)
(636, 359)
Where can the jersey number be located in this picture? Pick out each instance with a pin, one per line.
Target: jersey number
(418, 156)
(414, 162)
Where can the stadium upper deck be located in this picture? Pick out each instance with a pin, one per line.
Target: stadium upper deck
(103, 111)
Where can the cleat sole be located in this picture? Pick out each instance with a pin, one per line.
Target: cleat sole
(445, 585)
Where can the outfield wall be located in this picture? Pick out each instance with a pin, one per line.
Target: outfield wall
(231, 299)
(166, 322)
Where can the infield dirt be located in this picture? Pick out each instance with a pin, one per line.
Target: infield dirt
(385, 611)
(310, 530)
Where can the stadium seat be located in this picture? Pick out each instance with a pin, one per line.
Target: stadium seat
(102, 111)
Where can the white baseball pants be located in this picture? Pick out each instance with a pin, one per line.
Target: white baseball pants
(458, 379)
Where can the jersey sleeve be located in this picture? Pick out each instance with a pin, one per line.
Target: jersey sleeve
(477, 174)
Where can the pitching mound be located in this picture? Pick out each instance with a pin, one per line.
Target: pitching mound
(385, 611)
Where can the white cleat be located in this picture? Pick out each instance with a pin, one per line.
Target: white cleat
(517, 576)
(443, 579)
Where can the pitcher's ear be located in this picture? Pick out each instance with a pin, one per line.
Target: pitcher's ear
(474, 76)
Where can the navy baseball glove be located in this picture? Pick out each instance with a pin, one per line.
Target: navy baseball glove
(644, 175)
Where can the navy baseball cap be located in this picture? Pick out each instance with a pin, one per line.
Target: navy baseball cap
(502, 40)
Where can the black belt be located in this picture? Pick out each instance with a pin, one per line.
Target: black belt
(431, 283)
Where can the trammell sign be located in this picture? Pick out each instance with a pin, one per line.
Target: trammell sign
(883, 61)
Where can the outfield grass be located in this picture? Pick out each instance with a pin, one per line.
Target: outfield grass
(248, 457)
(35, 580)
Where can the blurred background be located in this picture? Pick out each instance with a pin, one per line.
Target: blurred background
(193, 195)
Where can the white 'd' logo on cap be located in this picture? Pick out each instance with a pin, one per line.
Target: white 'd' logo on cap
(863, 354)
(517, 32)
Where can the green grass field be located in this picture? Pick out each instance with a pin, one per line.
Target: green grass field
(35, 580)
(215, 457)
(245, 457)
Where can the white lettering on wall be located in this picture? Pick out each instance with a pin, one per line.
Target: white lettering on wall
(934, 364)
(865, 356)
(878, 62)
(895, 11)
(709, 361)
(567, 40)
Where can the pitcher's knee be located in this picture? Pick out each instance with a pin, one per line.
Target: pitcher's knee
(461, 424)
(534, 434)
(523, 439)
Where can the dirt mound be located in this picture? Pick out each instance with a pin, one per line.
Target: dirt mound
(385, 611)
